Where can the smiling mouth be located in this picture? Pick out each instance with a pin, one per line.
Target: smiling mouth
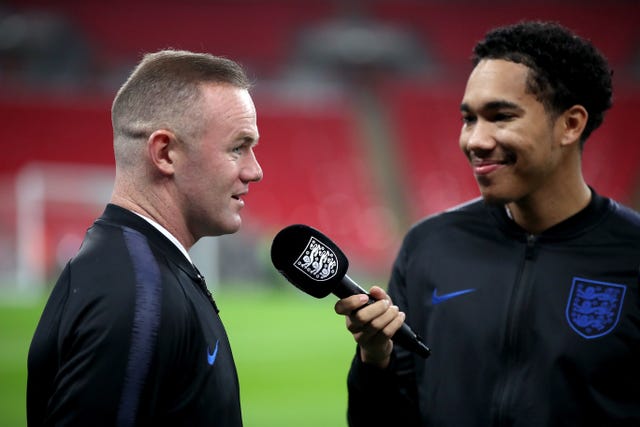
(486, 166)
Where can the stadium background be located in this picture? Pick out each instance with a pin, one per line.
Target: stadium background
(358, 114)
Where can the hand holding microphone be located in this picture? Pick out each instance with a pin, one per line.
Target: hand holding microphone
(314, 264)
(372, 324)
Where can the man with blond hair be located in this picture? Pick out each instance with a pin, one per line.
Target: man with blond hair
(131, 335)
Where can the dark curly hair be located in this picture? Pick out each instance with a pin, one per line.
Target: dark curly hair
(566, 69)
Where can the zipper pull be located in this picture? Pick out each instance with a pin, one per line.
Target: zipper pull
(531, 245)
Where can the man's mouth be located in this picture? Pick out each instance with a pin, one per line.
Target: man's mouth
(239, 196)
(483, 167)
(486, 167)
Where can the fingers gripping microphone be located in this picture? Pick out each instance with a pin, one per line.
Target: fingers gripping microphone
(315, 265)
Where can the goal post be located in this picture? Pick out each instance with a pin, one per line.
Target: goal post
(55, 203)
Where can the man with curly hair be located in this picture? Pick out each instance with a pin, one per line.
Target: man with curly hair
(527, 296)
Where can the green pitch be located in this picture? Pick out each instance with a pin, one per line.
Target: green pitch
(292, 352)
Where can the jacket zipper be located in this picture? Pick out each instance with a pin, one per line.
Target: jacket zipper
(512, 346)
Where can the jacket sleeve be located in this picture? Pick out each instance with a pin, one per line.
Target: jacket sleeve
(85, 337)
(380, 396)
(385, 396)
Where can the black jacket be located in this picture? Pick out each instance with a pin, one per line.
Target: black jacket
(130, 336)
(525, 330)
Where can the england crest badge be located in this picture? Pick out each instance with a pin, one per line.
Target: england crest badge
(317, 261)
(593, 309)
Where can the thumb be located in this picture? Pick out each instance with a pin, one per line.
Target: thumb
(378, 293)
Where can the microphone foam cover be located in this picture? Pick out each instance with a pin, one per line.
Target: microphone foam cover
(308, 259)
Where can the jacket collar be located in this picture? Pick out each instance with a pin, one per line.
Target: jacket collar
(583, 221)
(114, 214)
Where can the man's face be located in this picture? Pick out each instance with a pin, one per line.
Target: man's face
(507, 135)
(217, 167)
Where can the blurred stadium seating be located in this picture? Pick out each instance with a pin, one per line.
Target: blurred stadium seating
(449, 28)
(315, 144)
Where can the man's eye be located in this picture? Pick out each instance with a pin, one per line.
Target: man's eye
(500, 117)
(240, 149)
(468, 119)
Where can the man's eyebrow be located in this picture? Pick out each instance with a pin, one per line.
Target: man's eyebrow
(501, 104)
(492, 105)
(249, 139)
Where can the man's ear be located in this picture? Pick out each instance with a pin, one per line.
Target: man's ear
(160, 146)
(573, 121)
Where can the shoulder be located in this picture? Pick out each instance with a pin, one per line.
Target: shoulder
(474, 213)
(621, 224)
(625, 214)
(116, 267)
(102, 258)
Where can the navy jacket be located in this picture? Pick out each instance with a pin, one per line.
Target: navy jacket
(525, 330)
(131, 337)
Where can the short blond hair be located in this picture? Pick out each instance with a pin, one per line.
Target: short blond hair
(163, 92)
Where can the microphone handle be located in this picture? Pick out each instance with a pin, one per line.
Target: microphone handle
(349, 288)
(403, 336)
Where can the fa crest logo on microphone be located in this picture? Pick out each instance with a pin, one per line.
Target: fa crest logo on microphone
(317, 261)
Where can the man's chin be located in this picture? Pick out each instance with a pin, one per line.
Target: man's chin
(492, 198)
(234, 226)
(225, 228)
(229, 230)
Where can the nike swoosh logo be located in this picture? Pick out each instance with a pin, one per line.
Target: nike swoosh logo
(437, 299)
(211, 356)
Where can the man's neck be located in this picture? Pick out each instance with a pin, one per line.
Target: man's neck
(147, 210)
(537, 214)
